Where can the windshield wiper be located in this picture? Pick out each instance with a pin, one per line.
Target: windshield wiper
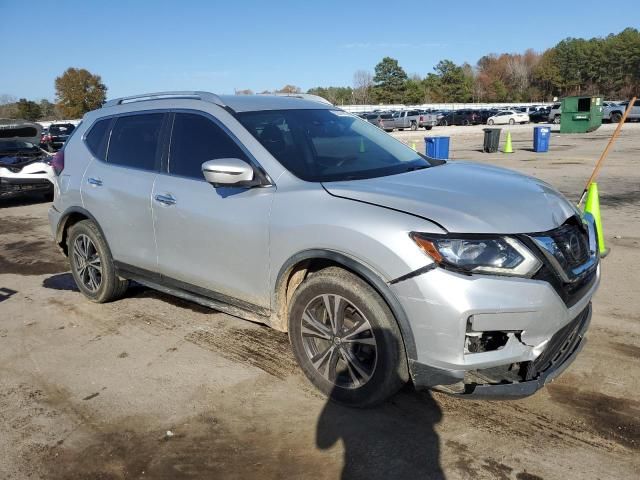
(416, 167)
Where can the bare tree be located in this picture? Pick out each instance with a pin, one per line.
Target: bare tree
(519, 73)
(362, 85)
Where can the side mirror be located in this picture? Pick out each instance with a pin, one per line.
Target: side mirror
(228, 172)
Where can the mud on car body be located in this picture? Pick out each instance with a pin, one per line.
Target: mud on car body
(383, 265)
(24, 166)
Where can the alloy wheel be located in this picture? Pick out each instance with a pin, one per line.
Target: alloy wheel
(339, 341)
(87, 262)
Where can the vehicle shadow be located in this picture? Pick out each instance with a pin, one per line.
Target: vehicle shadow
(61, 281)
(396, 439)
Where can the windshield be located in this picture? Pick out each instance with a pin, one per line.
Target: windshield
(330, 145)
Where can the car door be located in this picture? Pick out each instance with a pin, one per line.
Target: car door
(117, 184)
(213, 241)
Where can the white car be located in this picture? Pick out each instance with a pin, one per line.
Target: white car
(508, 116)
(24, 166)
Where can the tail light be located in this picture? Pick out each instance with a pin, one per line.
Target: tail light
(57, 163)
(421, 118)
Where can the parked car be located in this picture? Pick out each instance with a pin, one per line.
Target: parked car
(406, 119)
(382, 120)
(539, 116)
(508, 117)
(485, 114)
(24, 166)
(460, 117)
(354, 253)
(614, 113)
(555, 112)
(56, 135)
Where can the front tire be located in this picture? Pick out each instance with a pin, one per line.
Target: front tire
(414, 126)
(616, 117)
(346, 339)
(512, 121)
(92, 264)
(490, 122)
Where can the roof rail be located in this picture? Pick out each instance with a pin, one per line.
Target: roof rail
(204, 96)
(304, 96)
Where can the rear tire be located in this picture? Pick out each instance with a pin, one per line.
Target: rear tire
(512, 121)
(346, 340)
(616, 117)
(92, 264)
(556, 120)
(490, 122)
(428, 127)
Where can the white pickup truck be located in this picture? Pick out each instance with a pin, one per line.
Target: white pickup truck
(614, 113)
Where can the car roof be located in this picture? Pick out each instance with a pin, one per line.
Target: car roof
(238, 103)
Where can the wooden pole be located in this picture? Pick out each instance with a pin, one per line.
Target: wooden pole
(612, 140)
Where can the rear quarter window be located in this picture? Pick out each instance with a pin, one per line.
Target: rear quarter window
(98, 137)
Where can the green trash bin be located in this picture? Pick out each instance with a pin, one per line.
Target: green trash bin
(580, 114)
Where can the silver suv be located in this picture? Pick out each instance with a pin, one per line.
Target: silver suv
(383, 265)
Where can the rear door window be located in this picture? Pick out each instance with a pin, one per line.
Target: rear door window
(195, 140)
(135, 141)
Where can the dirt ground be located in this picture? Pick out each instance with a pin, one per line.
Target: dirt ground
(91, 391)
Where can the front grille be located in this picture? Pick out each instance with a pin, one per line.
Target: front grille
(564, 251)
(560, 346)
(573, 245)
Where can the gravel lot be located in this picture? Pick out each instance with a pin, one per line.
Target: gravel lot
(90, 391)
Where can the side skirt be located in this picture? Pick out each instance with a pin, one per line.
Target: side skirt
(192, 293)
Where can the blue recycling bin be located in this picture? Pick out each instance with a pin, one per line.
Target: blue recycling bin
(541, 136)
(437, 147)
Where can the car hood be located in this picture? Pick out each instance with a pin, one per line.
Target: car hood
(465, 197)
(20, 130)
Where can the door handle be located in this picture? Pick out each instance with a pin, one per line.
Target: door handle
(166, 199)
(96, 182)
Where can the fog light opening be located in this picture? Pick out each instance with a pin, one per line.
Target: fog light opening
(479, 342)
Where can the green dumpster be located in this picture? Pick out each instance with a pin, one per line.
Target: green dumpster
(580, 114)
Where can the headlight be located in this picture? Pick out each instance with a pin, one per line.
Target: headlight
(498, 256)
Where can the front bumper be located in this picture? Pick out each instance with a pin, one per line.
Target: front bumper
(561, 351)
(443, 308)
(13, 187)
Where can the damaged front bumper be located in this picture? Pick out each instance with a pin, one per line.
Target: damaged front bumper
(488, 336)
(32, 178)
(522, 381)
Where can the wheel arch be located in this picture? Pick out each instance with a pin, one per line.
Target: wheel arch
(70, 217)
(296, 268)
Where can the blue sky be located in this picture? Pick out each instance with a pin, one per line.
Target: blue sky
(144, 46)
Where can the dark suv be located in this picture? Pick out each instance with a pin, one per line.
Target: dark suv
(461, 117)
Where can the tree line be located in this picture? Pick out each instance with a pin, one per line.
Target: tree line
(608, 66)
